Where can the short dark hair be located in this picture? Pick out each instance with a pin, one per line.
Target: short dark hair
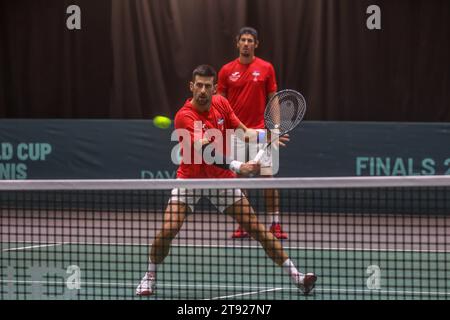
(248, 30)
(204, 70)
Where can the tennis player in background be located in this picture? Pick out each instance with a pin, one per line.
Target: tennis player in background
(248, 82)
(213, 112)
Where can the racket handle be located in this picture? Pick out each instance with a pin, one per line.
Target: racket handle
(259, 155)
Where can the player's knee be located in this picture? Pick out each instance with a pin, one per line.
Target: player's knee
(255, 232)
(171, 230)
(263, 236)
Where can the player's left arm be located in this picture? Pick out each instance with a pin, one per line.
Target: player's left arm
(256, 134)
(271, 88)
(249, 134)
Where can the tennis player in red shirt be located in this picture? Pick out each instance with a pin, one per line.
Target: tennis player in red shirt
(248, 82)
(206, 111)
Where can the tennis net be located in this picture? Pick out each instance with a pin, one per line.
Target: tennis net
(364, 238)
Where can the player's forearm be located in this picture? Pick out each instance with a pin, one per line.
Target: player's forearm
(238, 167)
(222, 161)
(251, 134)
(200, 144)
(227, 163)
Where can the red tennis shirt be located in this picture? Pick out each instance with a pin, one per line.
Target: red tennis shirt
(247, 86)
(220, 116)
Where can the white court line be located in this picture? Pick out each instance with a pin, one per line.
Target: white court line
(431, 293)
(106, 284)
(160, 284)
(258, 289)
(245, 294)
(314, 248)
(213, 286)
(249, 247)
(35, 246)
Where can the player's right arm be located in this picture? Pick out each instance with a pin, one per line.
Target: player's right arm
(222, 87)
(197, 141)
(199, 144)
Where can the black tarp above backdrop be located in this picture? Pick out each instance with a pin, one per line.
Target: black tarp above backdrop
(133, 59)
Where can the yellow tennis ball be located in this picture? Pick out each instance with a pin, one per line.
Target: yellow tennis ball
(162, 122)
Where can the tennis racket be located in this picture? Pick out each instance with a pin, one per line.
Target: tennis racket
(284, 111)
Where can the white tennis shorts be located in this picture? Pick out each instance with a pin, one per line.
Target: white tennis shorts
(220, 198)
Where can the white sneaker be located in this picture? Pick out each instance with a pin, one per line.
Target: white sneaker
(147, 285)
(305, 282)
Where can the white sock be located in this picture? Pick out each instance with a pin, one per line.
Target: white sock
(290, 268)
(152, 267)
(275, 217)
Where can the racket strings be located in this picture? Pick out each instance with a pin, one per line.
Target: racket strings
(285, 110)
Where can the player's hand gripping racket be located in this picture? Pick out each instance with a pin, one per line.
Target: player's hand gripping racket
(284, 111)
